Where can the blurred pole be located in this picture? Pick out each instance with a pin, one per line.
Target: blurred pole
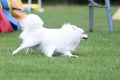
(29, 3)
(91, 10)
(40, 6)
(92, 4)
(40, 3)
(107, 2)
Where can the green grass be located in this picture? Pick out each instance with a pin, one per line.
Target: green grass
(99, 56)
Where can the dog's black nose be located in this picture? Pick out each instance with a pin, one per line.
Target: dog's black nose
(85, 38)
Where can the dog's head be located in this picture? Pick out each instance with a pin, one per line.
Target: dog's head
(81, 32)
(76, 31)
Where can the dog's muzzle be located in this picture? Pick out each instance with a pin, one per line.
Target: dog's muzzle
(85, 36)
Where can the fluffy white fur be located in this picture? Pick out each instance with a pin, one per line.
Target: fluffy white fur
(63, 40)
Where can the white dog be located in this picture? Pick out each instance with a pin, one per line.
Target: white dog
(63, 40)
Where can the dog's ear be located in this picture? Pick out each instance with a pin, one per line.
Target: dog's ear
(74, 28)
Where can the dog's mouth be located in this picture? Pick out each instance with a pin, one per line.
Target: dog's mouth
(85, 38)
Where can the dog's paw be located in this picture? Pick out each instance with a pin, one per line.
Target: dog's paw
(74, 56)
(50, 56)
(13, 53)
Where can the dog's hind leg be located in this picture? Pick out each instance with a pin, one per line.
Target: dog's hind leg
(28, 50)
(24, 45)
(18, 49)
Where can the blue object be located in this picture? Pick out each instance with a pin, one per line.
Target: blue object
(109, 15)
(28, 9)
(12, 20)
(93, 4)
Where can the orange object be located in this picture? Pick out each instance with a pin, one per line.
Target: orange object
(17, 9)
(0, 5)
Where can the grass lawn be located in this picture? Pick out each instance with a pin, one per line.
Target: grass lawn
(99, 56)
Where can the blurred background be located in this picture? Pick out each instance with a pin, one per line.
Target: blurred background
(81, 2)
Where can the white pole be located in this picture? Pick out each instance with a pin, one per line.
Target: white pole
(29, 5)
(29, 2)
(40, 6)
(39, 3)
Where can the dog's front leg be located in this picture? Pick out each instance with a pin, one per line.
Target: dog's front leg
(49, 50)
(69, 54)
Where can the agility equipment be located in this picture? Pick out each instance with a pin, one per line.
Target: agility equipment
(93, 4)
(0, 5)
(20, 3)
(17, 10)
(116, 16)
(33, 7)
(6, 9)
(5, 26)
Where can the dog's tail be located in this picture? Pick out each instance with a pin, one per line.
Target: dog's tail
(31, 21)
